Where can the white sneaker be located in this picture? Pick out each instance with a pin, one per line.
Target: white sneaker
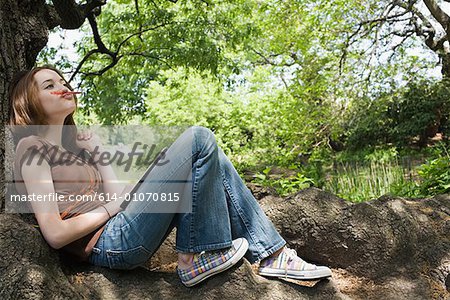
(289, 265)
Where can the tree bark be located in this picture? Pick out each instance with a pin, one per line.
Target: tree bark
(445, 66)
(389, 248)
(23, 34)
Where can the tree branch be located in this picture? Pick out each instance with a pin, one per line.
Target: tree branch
(418, 23)
(139, 33)
(68, 14)
(269, 62)
(114, 55)
(89, 54)
(71, 15)
(52, 18)
(383, 19)
(136, 4)
(101, 48)
(101, 71)
(437, 45)
(92, 5)
(97, 39)
(426, 30)
(438, 13)
(377, 22)
(405, 36)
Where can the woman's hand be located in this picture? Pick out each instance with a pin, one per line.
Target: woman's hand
(88, 140)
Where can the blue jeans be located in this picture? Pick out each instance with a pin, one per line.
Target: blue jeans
(223, 209)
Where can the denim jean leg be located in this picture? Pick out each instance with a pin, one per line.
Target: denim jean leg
(132, 236)
(247, 218)
(208, 226)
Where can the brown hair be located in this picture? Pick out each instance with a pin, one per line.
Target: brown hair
(26, 109)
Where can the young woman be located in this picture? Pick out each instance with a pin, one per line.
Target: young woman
(226, 222)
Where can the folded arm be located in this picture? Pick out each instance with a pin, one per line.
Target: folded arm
(56, 231)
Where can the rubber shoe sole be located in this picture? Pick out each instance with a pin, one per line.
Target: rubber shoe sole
(241, 246)
(319, 273)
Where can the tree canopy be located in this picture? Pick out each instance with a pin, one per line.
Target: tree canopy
(305, 64)
(280, 82)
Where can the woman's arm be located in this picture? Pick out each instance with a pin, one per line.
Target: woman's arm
(57, 232)
(110, 182)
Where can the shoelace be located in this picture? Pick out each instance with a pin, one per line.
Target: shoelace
(215, 252)
(199, 256)
(291, 255)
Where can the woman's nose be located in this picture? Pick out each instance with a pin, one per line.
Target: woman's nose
(64, 88)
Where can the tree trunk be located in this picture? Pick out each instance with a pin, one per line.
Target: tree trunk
(445, 65)
(23, 33)
(390, 248)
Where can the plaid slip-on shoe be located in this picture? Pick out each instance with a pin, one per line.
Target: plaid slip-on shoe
(289, 265)
(210, 263)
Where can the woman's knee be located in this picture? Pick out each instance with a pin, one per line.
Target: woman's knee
(204, 136)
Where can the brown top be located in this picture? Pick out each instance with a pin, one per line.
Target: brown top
(72, 175)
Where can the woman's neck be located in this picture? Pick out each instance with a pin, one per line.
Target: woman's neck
(54, 134)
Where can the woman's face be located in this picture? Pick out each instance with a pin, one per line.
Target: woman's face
(56, 107)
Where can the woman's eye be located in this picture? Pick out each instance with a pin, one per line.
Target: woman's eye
(49, 86)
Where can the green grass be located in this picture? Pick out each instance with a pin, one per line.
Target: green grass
(355, 181)
(359, 181)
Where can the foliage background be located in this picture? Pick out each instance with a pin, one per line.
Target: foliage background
(290, 100)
